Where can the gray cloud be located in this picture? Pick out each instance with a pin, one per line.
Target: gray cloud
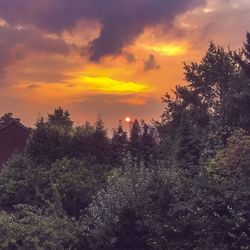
(16, 43)
(32, 86)
(121, 20)
(129, 57)
(151, 64)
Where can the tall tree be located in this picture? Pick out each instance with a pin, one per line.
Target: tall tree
(100, 145)
(82, 141)
(148, 145)
(135, 141)
(243, 57)
(187, 147)
(51, 139)
(119, 144)
(216, 95)
(60, 118)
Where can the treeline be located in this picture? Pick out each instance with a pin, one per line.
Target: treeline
(75, 188)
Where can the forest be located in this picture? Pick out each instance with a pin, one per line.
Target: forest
(74, 187)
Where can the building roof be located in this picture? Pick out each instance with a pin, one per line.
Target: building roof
(14, 123)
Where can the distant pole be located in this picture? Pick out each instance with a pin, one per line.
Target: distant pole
(99, 117)
(120, 123)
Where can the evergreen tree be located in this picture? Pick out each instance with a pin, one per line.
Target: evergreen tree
(100, 145)
(148, 146)
(82, 141)
(216, 96)
(60, 118)
(243, 58)
(135, 141)
(187, 147)
(51, 139)
(119, 144)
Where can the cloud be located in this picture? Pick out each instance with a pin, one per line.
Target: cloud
(122, 21)
(110, 85)
(215, 21)
(129, 57)
(32, 86)
(16, 43)
(47, 76)
(151, 64)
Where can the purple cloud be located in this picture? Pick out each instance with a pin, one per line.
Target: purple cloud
(16, 43)
(121, 20)
(151, 64)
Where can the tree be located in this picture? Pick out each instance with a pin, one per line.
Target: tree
(143, 208)
(148, 146)
(243, 58)
(51, 139)
(187, 147)
(214, 99)
(60, 118)
(100, 144)
(82, 141)
(108, 215)
(30, 228)
(76, 184)
(69, 182)
(227, 211)
(119, 143)
(15, 185)
(135, 141)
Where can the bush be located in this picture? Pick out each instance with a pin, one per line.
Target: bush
(29, 228)
(68, 181)
(141, 209)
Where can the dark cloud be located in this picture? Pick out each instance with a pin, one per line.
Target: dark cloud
(129, 57)
(121, 20)
(32, 39)
(16, 43)
(151, 64)
(32, 86)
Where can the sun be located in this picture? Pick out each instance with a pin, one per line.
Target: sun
(127, 119)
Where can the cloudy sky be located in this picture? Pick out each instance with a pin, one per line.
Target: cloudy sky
(114, 57)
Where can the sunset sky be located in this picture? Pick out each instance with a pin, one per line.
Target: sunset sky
(114, 57)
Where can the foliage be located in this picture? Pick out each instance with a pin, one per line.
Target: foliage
(140, 209)
(48, 142)
(142, 145)
(15, 185)
(75, 184)
(60, 118)
(148, 146)
(230, 197)
(75, 188)
(29, 228)
(70, 182)
(243, 58)
(91, 143)
(214, 101)
(119, 146)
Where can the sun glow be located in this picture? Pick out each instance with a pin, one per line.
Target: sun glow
(127, 119)
(166, 49)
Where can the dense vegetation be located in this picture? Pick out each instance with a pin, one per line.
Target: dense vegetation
(75, 188)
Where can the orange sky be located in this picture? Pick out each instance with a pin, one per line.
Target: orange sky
(39, 77)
